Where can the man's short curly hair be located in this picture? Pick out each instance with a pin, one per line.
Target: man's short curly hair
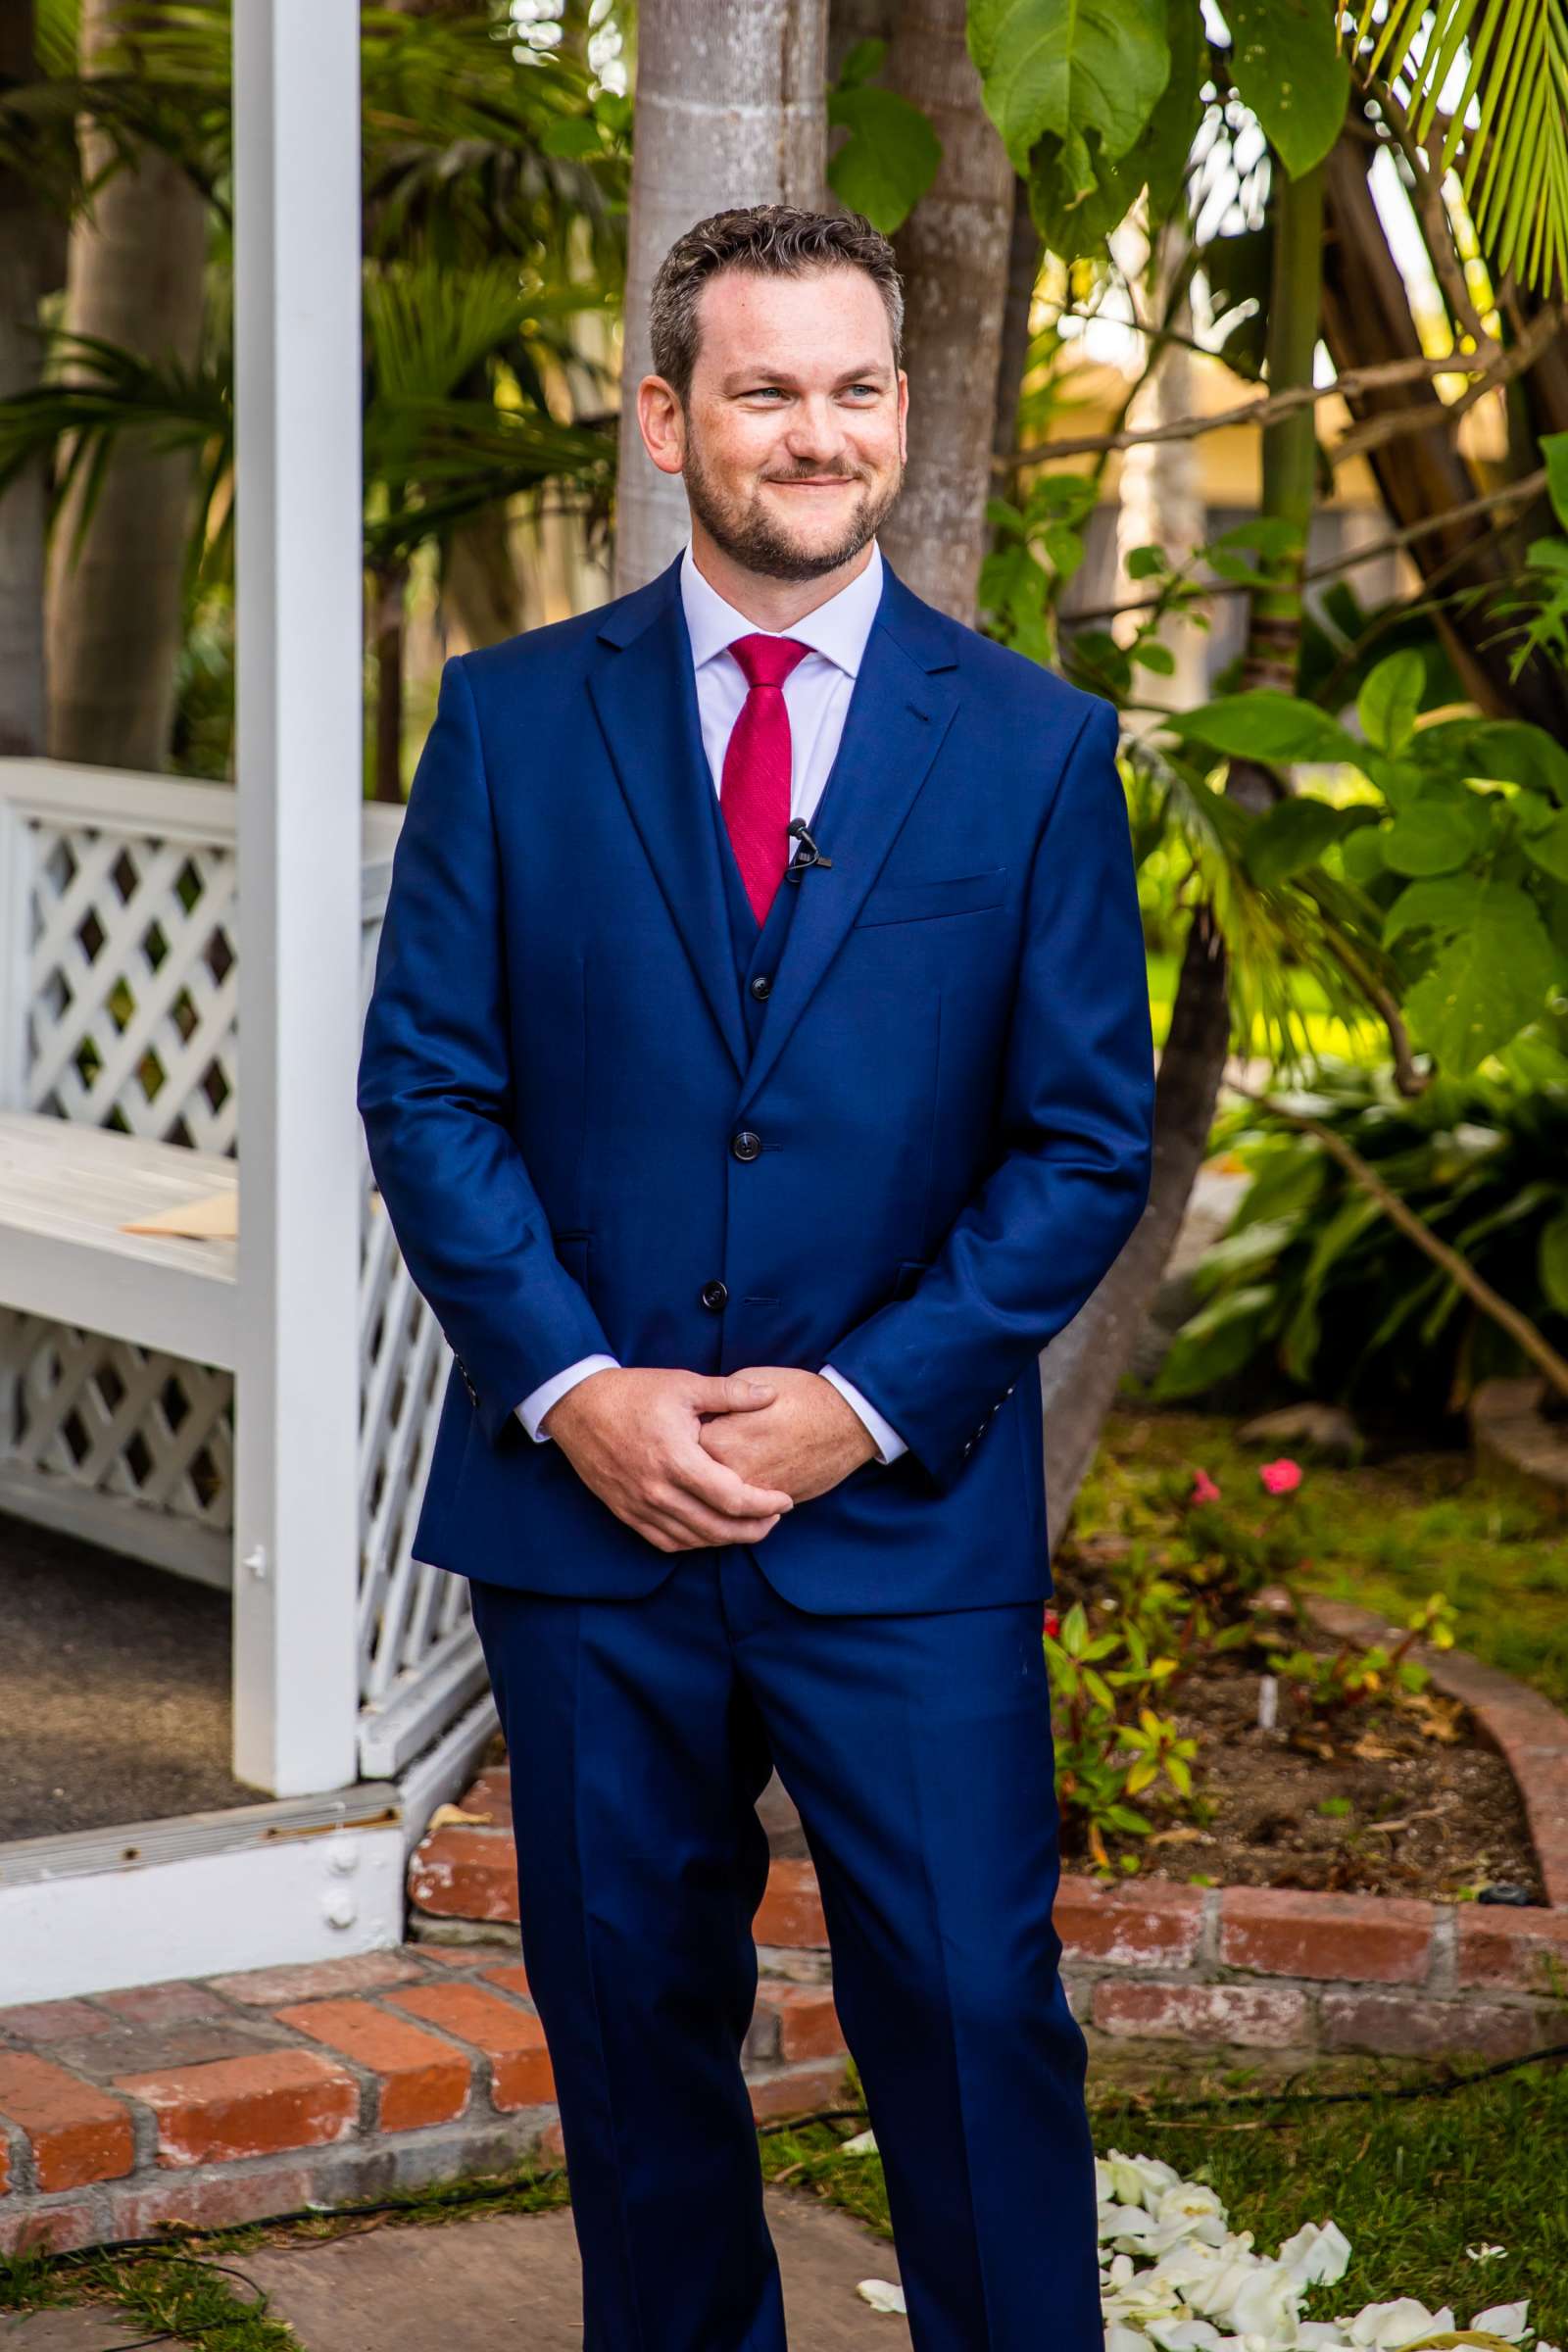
(775, 240)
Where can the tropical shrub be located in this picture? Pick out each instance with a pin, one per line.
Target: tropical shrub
(1311, 1282)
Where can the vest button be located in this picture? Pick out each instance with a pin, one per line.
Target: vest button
(746, 1145)
(714, 1294)
(762, 987)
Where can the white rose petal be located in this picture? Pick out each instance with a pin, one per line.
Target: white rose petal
(1506, 2320)
(881, 2294)
(1484, 2253)
(862, 2144)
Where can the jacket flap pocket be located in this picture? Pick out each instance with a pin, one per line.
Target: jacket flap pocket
(941, 894)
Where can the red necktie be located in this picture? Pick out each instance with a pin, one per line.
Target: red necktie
(754, 793)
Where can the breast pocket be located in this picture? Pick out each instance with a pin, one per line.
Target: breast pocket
(923, 901)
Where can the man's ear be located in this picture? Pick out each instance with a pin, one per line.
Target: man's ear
(661, 420)
(904, 418)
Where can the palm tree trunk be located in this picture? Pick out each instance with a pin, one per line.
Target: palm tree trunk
(1159, 494)
(954, 252)
(731, 110)
(389, 589)
(1081, 1368)
(1366, 318)
(114, 618)
(31, 261)
(1025, 252)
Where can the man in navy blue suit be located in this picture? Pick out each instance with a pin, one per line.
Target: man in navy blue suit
(758, 1074)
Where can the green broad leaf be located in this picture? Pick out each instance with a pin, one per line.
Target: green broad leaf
(1248, 1248)
(1361, 856)
(1088, 72)
(1442, 904)
(1004, 518)
(1554, 449)
(1531, 812)
(1063, 549)
(1163, 151)
(1156, 656)
(1435, 837)
(570, 136)
(1218, 1340)
(1547, 846)
(1146, 563)
(1510, 751)
(888, 161)
(1389, 701)
(1400, 781)
(1552, 1260)
(1291, 835)
(1486, 984)
(1271, 536)
(1284, 1188)
(1266, 725)
(1287, 67)
(863, 64)
(1126, 1817)
(1078, 194)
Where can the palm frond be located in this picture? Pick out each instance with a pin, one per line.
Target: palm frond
(1507, 127)
(1312, 924)
(112, 394)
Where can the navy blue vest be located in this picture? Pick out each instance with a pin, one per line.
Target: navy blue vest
(758, 946)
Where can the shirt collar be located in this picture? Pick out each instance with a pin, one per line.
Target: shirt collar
(838, 629)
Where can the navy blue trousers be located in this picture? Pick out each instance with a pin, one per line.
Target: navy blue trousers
(918, 1752)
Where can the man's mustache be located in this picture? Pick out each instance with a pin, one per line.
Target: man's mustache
(819, 473)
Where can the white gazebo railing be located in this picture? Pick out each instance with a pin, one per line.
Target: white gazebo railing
(118, 1093)
(183, 971)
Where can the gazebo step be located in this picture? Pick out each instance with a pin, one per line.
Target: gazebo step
(67, 1189)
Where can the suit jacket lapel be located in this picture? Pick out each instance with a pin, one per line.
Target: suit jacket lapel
(899, 712)
(645, 695)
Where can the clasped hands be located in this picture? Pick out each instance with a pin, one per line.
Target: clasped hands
(689, 1459)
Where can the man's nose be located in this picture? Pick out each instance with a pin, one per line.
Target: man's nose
(815, 431)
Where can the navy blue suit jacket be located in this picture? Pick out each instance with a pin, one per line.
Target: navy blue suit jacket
(952, 1087)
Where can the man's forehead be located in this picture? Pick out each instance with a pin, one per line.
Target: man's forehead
(739, 307)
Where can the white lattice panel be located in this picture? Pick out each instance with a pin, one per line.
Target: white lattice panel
(142, 1443)
(130, 983)
(411, 1615)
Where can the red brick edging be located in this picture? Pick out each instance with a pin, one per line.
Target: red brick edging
(246, 2096)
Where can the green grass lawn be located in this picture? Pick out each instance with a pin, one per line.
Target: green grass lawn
(1385, 1534)
(1411, 2182)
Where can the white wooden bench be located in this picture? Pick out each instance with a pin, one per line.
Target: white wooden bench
(119, 1350)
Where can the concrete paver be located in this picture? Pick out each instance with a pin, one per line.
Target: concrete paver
(67, 2331)
(514, 2281)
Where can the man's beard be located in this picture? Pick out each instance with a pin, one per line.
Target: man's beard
(751, 539)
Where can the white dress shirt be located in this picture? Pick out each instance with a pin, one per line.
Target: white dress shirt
(817, 696)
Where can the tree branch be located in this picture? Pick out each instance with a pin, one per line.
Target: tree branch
(1494, 365)
(1529, 486)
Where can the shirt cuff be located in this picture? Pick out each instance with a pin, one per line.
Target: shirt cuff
(534, 1406)
(889, 1444)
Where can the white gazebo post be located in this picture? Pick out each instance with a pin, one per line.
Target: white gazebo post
(299, 767)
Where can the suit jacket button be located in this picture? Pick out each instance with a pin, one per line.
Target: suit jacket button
(746, 1145)
(762, 987)
(713, 1295)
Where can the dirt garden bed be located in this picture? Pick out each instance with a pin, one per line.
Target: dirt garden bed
(1405, 1796)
